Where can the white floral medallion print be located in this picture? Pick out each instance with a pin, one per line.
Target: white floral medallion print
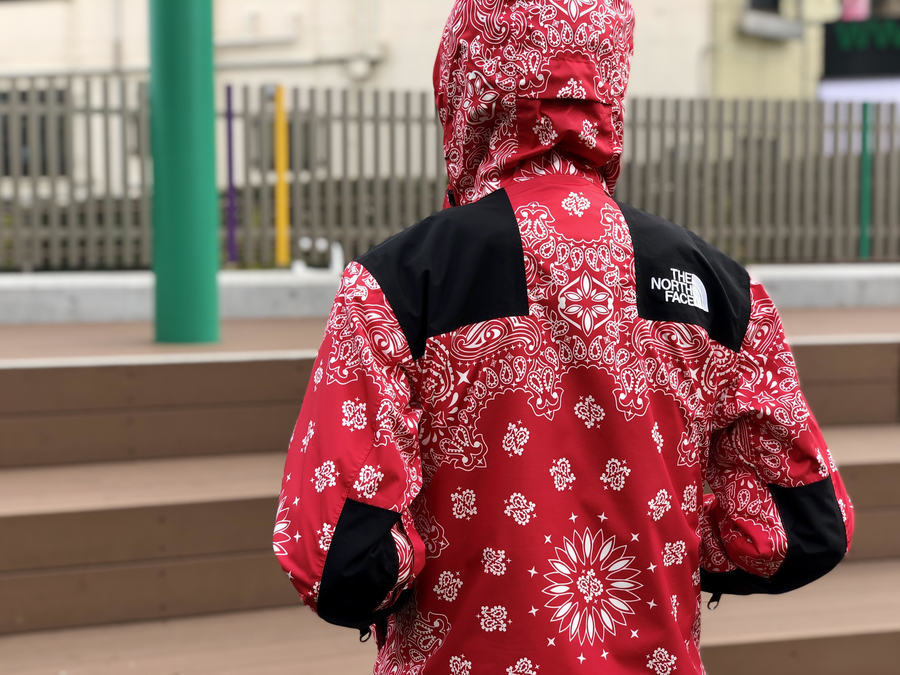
(576, 204)
(515, 439)
(460, 665)
(588, 134)
(572, 89)
(586, 303)
(495, 561)
(354, 414)
(519, 508)
(661, 662)
(544, 131)
(674, 553)
(494, 618)
(325, 476)
(589, 412)
(659, 505)
(523, 666)
(464, 504)
(561, 472)
(448, 585)
(616, 473)
(369, 479)
(689, 498)
(325, 535)
(591, 586)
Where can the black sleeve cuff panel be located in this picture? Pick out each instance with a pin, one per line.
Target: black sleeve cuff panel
(817, 541)
(361, 567)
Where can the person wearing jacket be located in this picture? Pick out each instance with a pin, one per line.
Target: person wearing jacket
(500, 459)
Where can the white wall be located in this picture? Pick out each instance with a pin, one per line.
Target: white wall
(62, 35)
(47, 35)
(671, 48)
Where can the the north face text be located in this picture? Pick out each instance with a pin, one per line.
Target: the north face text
(683, 287)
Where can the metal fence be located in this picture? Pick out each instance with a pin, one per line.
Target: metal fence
(779, 181)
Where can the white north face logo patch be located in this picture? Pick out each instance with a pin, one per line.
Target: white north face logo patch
(682, 287)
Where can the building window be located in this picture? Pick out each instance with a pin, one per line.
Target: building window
(765, 5)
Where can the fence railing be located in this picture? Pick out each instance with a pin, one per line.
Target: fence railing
(767, 181)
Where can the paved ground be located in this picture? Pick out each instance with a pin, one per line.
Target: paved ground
(106, 339)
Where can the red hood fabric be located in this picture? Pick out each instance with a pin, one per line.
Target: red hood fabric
(531, 87)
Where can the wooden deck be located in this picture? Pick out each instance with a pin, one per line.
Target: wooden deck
(155, 469)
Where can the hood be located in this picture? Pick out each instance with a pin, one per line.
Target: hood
(531, 87)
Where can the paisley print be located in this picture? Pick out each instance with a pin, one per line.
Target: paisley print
(543, 472)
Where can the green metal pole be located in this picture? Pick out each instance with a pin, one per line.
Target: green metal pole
(865, 186)
(185, 203)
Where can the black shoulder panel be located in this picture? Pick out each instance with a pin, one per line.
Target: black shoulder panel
(681, 278)
(361, 566)
(460, 266)
(817, 541)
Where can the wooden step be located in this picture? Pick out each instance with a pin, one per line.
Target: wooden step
(120, 526)
(94, 514)
(121, 511)
(869, 460)
(146, 407)
(95, 543)
(146, 433)
(851, 382)
(845, 623)
(96, 594)
(152, 382)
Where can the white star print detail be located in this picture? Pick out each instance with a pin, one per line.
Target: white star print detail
(296, 536)
(602, 517)
(634, 537)
(573, 517)
(604, 654)
(546, 538)
(532, 571)
(581, 659)
(652, 603)
(551, 642)
(652, 567)
(634, 633)
(533, 611)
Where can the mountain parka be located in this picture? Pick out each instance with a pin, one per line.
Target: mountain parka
(500, 460)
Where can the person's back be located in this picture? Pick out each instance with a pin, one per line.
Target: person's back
(501, 455)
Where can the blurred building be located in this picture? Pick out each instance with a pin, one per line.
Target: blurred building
(335, 43)
(731, 48)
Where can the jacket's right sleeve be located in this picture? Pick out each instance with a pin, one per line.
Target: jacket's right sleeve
(778, 516)
(344, 533)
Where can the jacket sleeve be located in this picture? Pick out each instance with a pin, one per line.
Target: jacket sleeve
(778, 516)
(343, 531)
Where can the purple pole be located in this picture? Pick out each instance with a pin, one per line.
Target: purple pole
(232, 200)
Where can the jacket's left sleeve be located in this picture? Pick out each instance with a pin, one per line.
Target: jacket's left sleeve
(779, 515)
(343, 532)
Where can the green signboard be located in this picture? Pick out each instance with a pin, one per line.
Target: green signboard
(855, 49)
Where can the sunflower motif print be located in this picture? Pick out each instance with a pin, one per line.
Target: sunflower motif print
(592, 586)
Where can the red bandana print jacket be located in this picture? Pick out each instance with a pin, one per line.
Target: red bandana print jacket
(500, 459)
